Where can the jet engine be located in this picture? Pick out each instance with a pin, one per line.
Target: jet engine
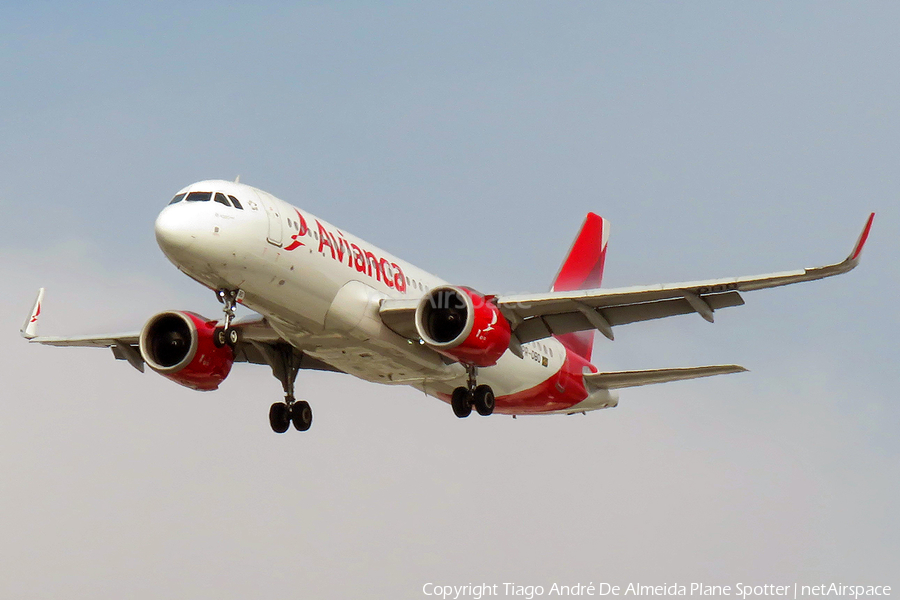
(179, 345)
(463, 324)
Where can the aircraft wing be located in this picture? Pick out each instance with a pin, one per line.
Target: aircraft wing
(540, 315)
(537, 316)
(258, 341)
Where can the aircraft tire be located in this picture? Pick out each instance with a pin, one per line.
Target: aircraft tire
(461, 402)
(280, 417)
(232, 337)
(219, 338)
(484, 400)
(301, 415)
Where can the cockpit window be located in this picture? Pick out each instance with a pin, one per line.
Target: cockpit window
(221, 199)
(178, 198)
(236, 203)
(198, 197)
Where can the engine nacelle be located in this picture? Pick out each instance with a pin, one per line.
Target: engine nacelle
(179, 345)
(464, 325)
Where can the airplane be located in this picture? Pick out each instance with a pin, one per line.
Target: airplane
(327, 300)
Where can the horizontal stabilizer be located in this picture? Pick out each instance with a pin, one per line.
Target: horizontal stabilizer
(613, 380)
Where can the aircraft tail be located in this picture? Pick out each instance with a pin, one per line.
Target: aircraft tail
(583, 270)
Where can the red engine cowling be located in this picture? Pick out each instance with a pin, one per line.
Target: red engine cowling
(179, 345)
(464, 325)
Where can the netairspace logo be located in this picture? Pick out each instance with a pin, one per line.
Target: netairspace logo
(477, 591)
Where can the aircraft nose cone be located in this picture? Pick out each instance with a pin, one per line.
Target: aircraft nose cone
(175, 233)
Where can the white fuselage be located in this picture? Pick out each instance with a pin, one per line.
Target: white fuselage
(320, 288)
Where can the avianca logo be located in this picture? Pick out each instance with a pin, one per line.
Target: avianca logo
(302, 231)
(361, 259)
(37, 313)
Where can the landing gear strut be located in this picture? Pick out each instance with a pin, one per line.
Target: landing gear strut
(227, 334)
(479, 396)
(285, 363)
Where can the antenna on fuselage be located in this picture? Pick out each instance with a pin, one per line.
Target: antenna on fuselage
(237, 179)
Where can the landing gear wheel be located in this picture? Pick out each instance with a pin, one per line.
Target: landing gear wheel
(285, 361)
(484, 400)
(226, 337)
(280, 417)
(301, 415)
(461, 402)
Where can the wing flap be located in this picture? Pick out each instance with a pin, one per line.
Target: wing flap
(613, 380)
(544, 326)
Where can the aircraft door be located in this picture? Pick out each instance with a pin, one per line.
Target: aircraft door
(273, 212)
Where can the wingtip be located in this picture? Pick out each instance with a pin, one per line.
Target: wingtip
(29, 328)
(858, 248)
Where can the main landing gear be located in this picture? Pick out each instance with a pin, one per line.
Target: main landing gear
(479, 396)
(282, 414)
(285, 363)
(284, 360)
(227, 335)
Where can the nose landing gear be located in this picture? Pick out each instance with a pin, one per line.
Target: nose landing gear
(479, 396)
(227, 335)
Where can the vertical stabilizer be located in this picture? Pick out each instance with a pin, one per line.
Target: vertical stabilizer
(583, 270)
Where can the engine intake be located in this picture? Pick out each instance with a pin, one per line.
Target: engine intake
(463, 324)
(179, 345)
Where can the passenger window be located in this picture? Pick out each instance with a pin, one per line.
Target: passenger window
(236, 203)
(178, 198)
(221, 199)
(198, 197)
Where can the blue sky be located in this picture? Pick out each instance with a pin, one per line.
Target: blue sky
(719, 139)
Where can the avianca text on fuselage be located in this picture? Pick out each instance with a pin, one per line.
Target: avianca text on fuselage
(344, 251)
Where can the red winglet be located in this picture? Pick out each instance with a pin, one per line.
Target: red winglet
(857, 250)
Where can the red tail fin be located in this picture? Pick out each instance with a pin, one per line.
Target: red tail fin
(583, 270)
